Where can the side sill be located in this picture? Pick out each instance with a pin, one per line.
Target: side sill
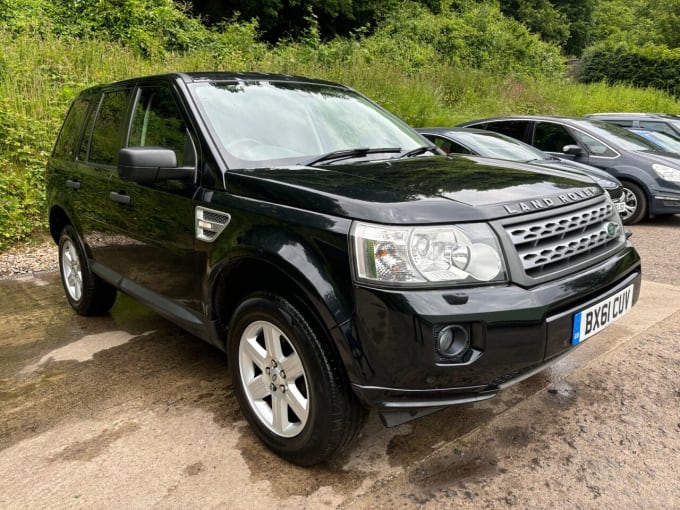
(183, 316)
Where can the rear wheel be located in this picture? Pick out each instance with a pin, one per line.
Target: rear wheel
(86, 292)
(635, 203)
(290, 385)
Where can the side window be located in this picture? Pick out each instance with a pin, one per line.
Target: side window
(595, 147)
(622, 123)
(107, 128)
(448, 146)
(70, 133)
(512, 128)
(451, 147)
(551, 137)
(657, 126)
(157, 122)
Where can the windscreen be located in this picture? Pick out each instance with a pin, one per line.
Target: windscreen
(618, 136)
(494, 145)
(264, 124)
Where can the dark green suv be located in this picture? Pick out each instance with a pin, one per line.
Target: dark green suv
(334, 254)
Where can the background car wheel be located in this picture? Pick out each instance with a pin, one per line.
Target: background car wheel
(86, 292)
(636, 203)
(290, 384)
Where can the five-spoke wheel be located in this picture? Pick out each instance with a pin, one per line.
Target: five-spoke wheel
(289, 381)
(274, 379)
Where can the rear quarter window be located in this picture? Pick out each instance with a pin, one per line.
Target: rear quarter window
(69, 136)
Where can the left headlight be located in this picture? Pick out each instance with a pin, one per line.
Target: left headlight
(421, 256)
(666, 172)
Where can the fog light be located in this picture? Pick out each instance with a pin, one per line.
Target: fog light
(453, 341)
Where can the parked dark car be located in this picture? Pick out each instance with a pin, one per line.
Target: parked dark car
(489, 144)
(323, 244)
(662, 122)
(650, 177)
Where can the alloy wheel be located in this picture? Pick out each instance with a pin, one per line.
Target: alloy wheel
(274, 379)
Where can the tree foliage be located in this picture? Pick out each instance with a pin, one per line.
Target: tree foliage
(539, 16)
(476, 36)
(287, 19)
(580, 15)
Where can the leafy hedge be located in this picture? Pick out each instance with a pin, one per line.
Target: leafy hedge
(648, 66)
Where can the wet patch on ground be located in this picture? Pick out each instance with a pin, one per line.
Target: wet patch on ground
(89, 449)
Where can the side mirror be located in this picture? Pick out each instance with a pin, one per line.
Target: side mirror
(574, 150)
(150, 164)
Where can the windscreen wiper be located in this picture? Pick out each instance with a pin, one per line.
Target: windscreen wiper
(420, 150)
(348, 153)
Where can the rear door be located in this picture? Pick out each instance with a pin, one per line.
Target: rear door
(89, 174)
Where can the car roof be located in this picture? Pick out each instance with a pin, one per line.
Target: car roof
(522, 117)
(632, 115)
(213, 76)
(454, 129)
(580, 122)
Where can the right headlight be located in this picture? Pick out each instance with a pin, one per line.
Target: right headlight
(666, 172)
(421, 256)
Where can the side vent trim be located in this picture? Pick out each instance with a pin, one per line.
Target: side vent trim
(210, 224)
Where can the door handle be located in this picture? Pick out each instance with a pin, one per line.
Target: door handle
(70, 183)
(121, 198)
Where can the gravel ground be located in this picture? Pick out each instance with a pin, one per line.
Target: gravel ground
(39, 256)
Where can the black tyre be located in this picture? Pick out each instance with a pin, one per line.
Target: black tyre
(290, 385)
(86, 292)
(636, 203)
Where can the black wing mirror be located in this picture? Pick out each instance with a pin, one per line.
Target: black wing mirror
(150, 164)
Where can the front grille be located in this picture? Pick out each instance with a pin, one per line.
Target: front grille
(550, 244)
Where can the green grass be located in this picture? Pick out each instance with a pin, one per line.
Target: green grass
(40, 74)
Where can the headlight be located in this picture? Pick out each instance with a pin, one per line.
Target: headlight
(605, 183)
(667, 173)
(427, 255)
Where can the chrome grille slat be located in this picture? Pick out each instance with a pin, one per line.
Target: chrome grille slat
(546, 245)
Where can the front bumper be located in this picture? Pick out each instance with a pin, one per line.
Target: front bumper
(665, 202)
(515, 331)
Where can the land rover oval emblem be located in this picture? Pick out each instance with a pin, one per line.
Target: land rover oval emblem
(612, 229)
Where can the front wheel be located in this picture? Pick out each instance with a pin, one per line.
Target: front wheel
(635, 208)
(86, 292)
(290, 385)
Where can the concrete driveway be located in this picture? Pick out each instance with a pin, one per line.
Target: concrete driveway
(128, 411)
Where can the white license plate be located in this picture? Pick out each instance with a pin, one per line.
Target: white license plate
(620, 206)
(599, 316)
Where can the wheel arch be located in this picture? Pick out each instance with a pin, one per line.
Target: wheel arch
(302, 277)
(58, 219)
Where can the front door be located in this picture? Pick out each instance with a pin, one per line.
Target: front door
(156, 222)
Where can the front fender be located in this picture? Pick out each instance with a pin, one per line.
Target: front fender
(313, 268)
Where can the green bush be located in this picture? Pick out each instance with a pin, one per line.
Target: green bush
(478, 36)
(649, 66)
